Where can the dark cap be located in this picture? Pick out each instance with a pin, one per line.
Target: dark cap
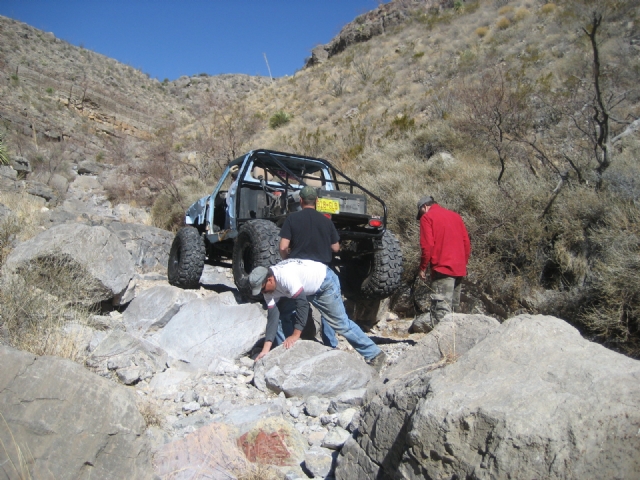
(256, 279)
(308, 194)
(424, 201)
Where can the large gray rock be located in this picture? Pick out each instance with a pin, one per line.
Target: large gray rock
(8, 172)
(94, 251)
(130, 358)
(203, 331)
(149, 246)
(532, 400)
(309, 368)
(21, 165)
(67, 422)
(90, 167)
(39, 189)
(153, 308)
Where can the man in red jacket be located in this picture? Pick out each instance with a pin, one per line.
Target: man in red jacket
(445, 246)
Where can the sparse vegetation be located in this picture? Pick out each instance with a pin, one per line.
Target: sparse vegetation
(44, 306)
(4, 154)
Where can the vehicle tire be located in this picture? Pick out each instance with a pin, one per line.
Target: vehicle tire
(257, 244)
(186, 258)
(374, 276)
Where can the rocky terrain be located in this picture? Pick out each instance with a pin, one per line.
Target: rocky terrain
(120, 375)
(167, 387)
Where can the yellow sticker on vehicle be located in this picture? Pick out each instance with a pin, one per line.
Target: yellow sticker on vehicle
(326, 205)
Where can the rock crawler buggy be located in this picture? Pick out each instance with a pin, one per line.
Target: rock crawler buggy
(245, 229)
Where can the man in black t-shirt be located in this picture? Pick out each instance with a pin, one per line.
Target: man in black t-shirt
(309, 235)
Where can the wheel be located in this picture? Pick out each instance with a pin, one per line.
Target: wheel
(374, 276)
(186, 258)
(257, 244)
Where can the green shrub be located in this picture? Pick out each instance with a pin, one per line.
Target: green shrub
(279, 119)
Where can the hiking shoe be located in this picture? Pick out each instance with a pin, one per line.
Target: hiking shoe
(378, 361)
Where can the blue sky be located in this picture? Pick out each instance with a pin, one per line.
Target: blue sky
(170, 38)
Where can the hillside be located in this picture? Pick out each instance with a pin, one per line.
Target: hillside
(490, 106)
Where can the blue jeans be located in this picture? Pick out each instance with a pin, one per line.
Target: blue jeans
(287, 309)
(328, 301)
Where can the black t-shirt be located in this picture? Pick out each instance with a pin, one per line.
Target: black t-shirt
(311, 235)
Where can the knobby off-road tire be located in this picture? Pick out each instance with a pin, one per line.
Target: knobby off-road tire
(257, 244)
(186, 258)
(377, 275)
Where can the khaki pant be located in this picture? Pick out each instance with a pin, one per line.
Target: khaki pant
(445, 298)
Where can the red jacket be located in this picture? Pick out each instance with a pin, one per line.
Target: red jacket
(444, 242)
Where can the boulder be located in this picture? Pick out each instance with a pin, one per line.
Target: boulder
(273, 441)
(90, 167)
(8, 172)
(67, 422)
(204, 331)
(216, 276)
(153, 308)
(21, 165)
(131, 358)
(38, 189)
(532, 400)
(319, 462)
(149, 246)
(94, 254)
(309, 368)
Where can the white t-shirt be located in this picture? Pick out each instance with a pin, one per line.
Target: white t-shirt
(294, 276)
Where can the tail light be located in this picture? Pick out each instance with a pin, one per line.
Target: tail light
(375, 222)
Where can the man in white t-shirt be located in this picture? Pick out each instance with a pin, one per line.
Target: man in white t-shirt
(308, 281)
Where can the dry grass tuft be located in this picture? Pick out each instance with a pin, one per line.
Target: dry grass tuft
(520, 14)
(150, 413)
(258, 472)
(548, 8)
(44, 307)
(14, 461)
(503, 23)
(482, 31)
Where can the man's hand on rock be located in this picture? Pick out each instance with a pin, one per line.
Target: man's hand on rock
(289, 341)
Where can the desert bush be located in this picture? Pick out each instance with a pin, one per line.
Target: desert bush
(279, 119)
(505, 10)
(4, 154)
(337, 84)
(503, 23)
(41, 303)
(520, 14)
(548, 8)
(365, 68)
(482, 31)
(23, 222)
(167, 214)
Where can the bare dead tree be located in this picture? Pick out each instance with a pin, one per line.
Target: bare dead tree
(495, 114)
